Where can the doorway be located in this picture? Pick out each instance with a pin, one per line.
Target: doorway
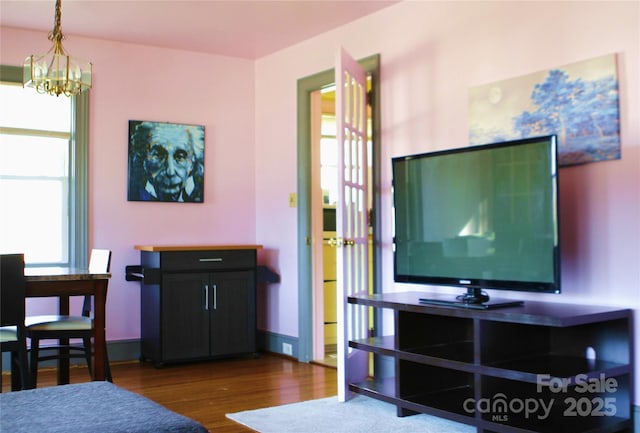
(306, 222)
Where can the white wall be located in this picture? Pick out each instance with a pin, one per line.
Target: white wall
(431, 54)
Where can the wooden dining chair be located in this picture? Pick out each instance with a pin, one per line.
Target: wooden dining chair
(66, 328)
(12, 328)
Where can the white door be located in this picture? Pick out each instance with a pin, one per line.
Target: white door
(351, 218)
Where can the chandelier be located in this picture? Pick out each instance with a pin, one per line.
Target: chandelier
(56, 72)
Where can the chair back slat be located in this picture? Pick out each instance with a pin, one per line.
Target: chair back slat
(12, 289)
(99, 263)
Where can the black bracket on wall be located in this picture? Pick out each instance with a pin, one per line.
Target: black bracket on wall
(266, 275)
(140, 273)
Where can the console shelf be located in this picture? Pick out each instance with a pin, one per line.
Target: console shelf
(379, 345)
(562, 367)
(381, 389)
(477, 366)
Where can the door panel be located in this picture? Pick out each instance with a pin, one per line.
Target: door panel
(317, 226)
(232, 313)
(185, 324)
(351, 218)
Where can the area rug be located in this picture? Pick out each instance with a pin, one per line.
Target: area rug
(327, 415)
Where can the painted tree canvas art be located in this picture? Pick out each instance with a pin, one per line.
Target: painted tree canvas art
(579, 103)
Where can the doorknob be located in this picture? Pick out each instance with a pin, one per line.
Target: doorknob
(339, 242)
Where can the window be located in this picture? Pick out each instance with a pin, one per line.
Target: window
(329, 158)
(43, 174)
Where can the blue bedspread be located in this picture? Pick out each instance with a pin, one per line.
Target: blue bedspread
(92, 407)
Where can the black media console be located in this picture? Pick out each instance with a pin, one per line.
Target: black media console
(539, 367)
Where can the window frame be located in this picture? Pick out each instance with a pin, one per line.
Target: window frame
(78, 170)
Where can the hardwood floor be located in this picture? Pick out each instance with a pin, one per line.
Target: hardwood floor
(206, 391)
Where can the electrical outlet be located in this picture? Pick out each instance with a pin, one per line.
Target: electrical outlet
(287, 349)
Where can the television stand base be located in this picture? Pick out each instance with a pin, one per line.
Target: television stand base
(490, 304)
(461, 364)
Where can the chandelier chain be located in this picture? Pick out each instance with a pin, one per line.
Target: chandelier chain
(56, 35)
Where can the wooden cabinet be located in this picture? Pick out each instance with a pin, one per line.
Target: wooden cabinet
(197, 302)
(495, 369)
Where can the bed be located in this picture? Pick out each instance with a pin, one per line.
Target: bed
(92, 407)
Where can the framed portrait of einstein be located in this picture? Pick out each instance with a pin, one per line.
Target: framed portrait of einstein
(166, 162)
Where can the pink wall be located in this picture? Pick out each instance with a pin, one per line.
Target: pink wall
(146, 83)
(431, 53)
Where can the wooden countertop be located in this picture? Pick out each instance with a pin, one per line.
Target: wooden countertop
(158, 248)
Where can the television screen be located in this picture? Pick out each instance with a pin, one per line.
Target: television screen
(482, 217)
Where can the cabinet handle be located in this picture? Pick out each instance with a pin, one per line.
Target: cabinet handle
(215, 259)
(215, 296)
(206, 297)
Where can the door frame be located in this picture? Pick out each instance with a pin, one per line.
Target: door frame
(306, 86)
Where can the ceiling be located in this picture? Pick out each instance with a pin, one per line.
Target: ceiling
(247, 29)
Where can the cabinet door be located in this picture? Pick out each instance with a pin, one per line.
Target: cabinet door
(233, 312)
(185, 311)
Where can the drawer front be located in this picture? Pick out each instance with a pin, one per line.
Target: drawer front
(208, 260)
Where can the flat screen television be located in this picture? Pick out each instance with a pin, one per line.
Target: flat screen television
(479, 217)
